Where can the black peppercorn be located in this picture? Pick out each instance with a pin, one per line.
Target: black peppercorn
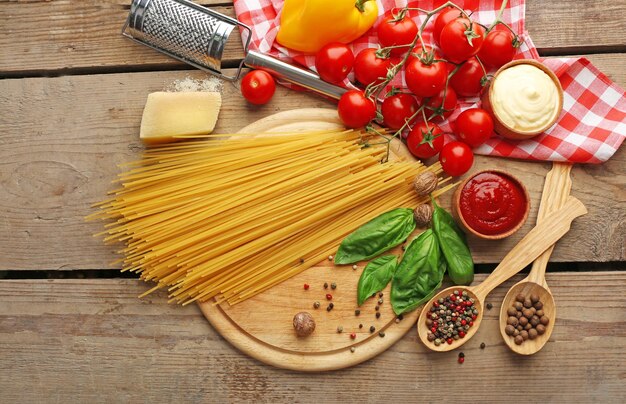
(489, 306)
(325, 285)
(372, 329)
(378, 315)
(482, 345)
(357, 312)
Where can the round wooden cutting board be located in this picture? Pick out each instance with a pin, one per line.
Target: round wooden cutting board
(262, 325)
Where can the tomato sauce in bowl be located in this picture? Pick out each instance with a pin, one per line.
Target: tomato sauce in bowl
(492, 204)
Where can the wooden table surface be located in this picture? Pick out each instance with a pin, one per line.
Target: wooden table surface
(72, 92)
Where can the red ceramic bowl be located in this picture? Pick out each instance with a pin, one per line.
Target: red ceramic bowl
(491, 204)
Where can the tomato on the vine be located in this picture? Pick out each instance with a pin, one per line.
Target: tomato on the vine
(443, 18)
(438, 106)
(333, 62)
(393, 32)
(258, 87)
(425, 79)
(355, 109)
(468, 80)
(368, 67)
(474, 126)
(461, 39)
(425, 140)
(397, 109)
(456, 158)
(499, 47)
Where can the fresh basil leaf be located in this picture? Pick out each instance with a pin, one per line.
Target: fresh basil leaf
(375, 276)
(454, 247)
(418, 275)
(376, 236)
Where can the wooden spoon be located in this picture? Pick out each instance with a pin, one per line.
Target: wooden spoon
(539, 239)
(555, 192)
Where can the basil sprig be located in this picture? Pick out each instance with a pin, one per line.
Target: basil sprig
(376, 276)
(454, 247)
(418, 275)
(376, 236)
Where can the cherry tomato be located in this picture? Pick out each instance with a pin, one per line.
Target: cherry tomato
(467, 81)
(333, 62)
(443, 18)
(397, 109)
(474, 126)
(456, 158)
(368, 67)
(393, 33)
(355, 109)
(498, 48)
(456, 45)
(258, 87)
(425, 140)
(425, 80)
(439, 107)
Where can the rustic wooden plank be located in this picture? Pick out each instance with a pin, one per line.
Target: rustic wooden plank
(60, 151)
(84, 35)
(94, 341)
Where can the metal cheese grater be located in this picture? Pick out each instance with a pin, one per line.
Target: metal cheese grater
(197, 35)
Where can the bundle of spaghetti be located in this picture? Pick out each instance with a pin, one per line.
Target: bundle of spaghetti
(228, 218)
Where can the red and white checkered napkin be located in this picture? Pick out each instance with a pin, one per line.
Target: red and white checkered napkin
(590, 129)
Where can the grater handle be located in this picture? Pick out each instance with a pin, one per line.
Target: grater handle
(301, 77)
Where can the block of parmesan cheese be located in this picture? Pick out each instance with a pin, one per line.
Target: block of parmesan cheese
(167, 115)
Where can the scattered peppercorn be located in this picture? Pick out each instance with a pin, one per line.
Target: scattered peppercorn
(377, 308)
(360, 325)
(380, 301)
(316, 305)
(489, 306)
(329, 296)
(372, 329)
(353, 335)
(354, 267)
(330, 306)
(461, 359)
(357, 312)
(381, 334)
(339, 329)
(330, 258)
(378, 315)
(306, 286)
(333, 285)
(325, 285)
(482, 345)
(461, 355)
(380, 294)
(352, 349)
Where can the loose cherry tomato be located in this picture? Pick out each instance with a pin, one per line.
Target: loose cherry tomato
(456, 158)
(393, 33)
(355, 109)
(474, 126)
(425, 79)
(333, 62)
(439, 107)
(443, 18)
(467, 81)
(498, 48)
(368, 67)
(397, 109)
(461, 39)
(258, 87)
(425, 140)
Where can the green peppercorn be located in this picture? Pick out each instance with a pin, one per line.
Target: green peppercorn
(333, 285)
(352, 349)
(381, 334)
(339, 329)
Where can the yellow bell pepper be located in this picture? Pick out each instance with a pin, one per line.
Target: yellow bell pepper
(308, 25)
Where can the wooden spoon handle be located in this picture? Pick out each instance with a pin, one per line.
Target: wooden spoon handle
(532, 245)
(555, 192)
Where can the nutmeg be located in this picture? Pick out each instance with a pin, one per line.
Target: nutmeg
(304, 324)
(423, 214)
(425, 183)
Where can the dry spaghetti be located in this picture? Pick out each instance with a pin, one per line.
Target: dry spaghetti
(230, 218)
